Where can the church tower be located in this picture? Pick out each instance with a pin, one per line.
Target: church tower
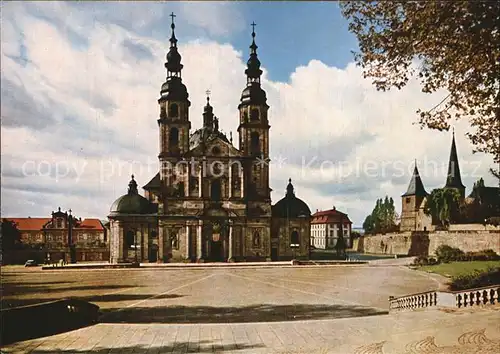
(174, 121)
(413, 217)
(254, 129)
(454, 180)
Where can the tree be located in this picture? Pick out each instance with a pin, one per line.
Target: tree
(11, 237)
(443, 205)
(451, 45)
(382, 218)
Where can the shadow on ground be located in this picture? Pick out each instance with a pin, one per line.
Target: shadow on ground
(177, 347)
(16, 302)
(254, 313)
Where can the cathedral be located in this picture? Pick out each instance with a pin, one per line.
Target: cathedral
(210, 201)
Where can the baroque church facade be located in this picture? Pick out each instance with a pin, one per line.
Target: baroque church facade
(210, 201)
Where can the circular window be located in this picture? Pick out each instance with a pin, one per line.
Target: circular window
(216, 150)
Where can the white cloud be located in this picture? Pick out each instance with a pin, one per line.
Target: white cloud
(217, 18)
(98, 110)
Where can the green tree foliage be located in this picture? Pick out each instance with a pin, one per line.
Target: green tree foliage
(443, 205)
(11, 237)
(485, 203)
(450, 45)
(382, 218)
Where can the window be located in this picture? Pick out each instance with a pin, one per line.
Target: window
(154, 234)
(130, 239)
(294, 239)
(256, 239)
(173, 137)
(173, 110)
(254, 143)
(408, 199)
(59, 223)
(215, 189)
(245, 117)
(216, 150)
(254, 114)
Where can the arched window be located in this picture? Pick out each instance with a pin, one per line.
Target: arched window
(173, 110)
(254, 114)
(154, 234)
(254, 143)
(173, 138)
(294, 239)
(130, 239)
(215, 189)
(245, 117)
(256, 239)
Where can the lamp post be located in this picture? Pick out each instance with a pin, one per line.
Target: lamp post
(72, 249)
(135, 246)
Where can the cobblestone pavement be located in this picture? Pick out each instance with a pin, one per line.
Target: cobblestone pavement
(269, 310)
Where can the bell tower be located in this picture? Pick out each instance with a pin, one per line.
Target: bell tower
(174, 105)
(254, 128)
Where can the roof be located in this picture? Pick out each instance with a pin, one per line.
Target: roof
(290, 206)
(155, 183)
(37, 224)
(330, 216)
(416, 187)
(94, 224)
(30, 224)
(454, 180)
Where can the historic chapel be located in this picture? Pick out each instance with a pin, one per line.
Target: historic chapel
(210, 201)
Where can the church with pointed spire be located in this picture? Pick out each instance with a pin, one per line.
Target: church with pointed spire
(413, 217)
(210, 200)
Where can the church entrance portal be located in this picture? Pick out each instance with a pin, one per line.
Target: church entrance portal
(215, 241)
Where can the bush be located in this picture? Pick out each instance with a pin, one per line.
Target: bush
(476, 280)
(484, 255)
(446, 254)
(424, 260)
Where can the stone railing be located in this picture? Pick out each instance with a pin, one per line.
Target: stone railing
(481, 296)
(458, 299)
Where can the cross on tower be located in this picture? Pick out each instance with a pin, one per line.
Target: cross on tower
(253, 26)
(172, 15)
(208, 92)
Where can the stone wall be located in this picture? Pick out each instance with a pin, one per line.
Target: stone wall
(468, 239)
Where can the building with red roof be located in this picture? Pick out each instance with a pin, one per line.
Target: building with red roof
(327, 226)
(54, 235)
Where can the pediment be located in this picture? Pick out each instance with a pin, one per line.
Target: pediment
(215, 147)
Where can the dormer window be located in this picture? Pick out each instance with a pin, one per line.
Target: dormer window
(173, 110)
(254, 114)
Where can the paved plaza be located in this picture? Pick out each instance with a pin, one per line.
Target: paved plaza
(323, 309)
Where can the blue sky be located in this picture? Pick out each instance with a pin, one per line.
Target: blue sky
(80, 83)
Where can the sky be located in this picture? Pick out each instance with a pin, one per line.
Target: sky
(80, 83)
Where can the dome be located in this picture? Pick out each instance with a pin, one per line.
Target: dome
(174, 90)
(132, 202)
(253, 94)
(290, 206)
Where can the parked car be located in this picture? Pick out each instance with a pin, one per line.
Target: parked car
(30, 263)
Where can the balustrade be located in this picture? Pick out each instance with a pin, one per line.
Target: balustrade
(459, 299)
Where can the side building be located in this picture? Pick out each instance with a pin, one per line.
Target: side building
(327, 226)
(49, 239)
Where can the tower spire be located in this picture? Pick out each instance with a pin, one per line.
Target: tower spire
(173, 63)
(253, 64)
(416, 186)
(454, 179)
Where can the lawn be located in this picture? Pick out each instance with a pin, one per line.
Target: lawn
(454, 269)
